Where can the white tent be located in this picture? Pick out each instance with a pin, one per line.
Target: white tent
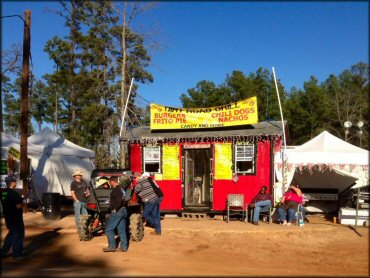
(60, 157)
(325, 162)
(53, 161)
(8, 142)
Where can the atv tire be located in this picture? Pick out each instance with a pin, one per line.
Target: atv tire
(84, 227)
(136, 227)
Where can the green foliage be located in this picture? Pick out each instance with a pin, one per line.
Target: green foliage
(95, 40)
(308, 112)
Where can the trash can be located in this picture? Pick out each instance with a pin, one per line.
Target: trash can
(51, 206)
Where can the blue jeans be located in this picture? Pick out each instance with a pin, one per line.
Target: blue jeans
(260, 206)
(117, 220)
(282, 214)
(80, 208)
(14, 239)
(152, 214)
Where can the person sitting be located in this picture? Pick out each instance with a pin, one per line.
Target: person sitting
(289, 205)
(262, 202)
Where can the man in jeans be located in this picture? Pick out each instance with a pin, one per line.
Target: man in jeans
(151, 201)
(262, 202)
(79, 193)
(117, 218)
(12, 204)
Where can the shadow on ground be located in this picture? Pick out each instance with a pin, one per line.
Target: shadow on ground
(42, 261)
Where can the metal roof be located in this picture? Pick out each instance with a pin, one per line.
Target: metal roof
(250, 132)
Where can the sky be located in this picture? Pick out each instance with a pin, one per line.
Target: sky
(209, 40)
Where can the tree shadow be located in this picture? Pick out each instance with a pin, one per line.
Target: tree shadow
(41, 240)
(54, 263)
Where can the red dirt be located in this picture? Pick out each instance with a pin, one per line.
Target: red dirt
(194, 248)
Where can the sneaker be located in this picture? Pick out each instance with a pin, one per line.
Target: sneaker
(4, 254)
(147, 224)
(19, 258)
(122, 250)
(108, 249)
(155, 233)
(284, 223)
(288, 224)
(256, 223)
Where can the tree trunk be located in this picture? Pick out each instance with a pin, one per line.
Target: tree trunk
(72, 73)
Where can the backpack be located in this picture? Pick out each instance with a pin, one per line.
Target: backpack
(157, 190)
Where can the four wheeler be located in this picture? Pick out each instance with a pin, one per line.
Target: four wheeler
(98, 203)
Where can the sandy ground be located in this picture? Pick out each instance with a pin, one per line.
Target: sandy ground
(206, 247)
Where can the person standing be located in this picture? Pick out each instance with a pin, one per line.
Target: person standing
(79, 192)
(151, 200)
(12, 204)
(117, 218)
(262, 202)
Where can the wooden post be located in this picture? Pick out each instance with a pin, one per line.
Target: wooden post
(25, 99)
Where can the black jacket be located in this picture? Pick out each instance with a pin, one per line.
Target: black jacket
(117, 198)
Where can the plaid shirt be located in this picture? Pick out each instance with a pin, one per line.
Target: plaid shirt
(145, 190)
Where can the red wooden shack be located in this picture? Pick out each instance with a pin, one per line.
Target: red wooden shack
(198, 168)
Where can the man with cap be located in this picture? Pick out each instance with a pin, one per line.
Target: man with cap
(152, 201)
(12, 204)
(79, 193)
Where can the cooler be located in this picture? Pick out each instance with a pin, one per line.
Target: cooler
(347, 216)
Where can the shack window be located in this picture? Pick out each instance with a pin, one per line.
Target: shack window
(152, 159)
(245, 158)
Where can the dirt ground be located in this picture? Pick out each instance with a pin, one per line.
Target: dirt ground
(189, 247)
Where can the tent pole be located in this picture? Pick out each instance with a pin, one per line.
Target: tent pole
(357, 200)
(283, 125)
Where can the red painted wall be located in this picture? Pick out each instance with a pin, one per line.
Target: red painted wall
(172, 195)
(136, 161)
(249, 185)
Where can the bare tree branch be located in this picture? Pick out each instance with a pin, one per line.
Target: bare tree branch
(11, 59)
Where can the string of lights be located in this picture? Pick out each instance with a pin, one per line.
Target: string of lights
(155, 141)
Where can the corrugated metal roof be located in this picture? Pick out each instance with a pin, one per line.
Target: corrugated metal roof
(270, 128)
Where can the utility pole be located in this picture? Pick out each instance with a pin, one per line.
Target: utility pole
(124, 94)
(25, 99)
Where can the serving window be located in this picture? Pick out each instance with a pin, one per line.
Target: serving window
(152, 159)
(245, 158)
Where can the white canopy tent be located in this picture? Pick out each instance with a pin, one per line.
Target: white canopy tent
(53, 160)
(60, 157)
(324, 162)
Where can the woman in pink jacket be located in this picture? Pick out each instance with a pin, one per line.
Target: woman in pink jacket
(289, 205)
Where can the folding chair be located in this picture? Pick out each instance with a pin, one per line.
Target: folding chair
(264, 212)
(236, 207)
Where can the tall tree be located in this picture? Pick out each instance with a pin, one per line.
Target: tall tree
(10, 63)
(132, 59)
(349, 96)
(39, 103)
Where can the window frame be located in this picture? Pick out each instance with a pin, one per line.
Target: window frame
(152, 160)
(251, 157)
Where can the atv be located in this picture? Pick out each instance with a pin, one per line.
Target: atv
(93, 223)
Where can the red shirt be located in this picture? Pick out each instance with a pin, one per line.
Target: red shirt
(293, 196)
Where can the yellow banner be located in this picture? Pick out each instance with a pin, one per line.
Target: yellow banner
(223, 161)
(237, 113)
(171, 162)
(14, 152)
